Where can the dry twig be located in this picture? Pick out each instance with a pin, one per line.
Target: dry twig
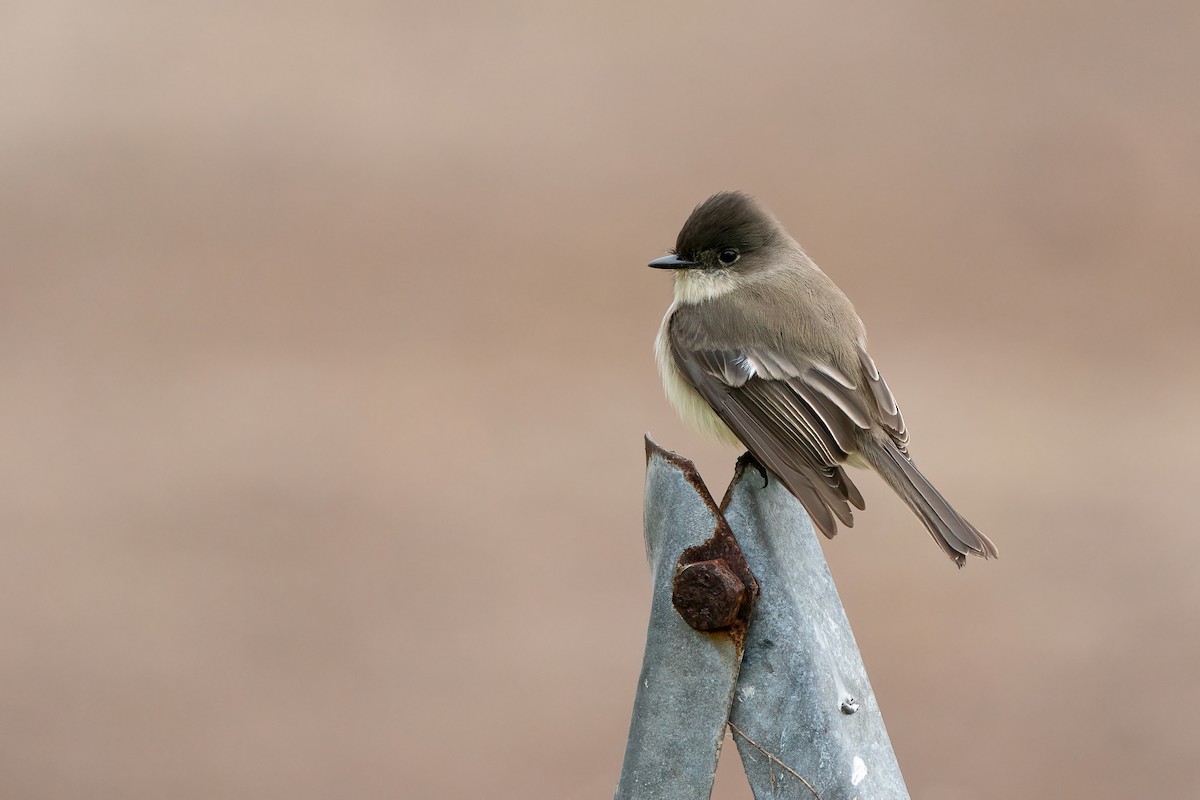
(774, 758)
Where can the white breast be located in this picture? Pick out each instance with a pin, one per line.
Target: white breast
(687, 402)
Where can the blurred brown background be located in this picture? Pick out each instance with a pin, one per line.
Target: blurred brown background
(325, 358)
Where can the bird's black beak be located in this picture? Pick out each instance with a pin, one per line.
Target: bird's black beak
(672, 262)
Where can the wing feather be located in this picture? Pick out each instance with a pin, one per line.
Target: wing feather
(798, 419)
(889, 411)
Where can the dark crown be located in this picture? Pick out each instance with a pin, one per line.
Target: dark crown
(725, 220)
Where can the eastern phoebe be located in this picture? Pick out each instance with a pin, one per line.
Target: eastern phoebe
(761, 348)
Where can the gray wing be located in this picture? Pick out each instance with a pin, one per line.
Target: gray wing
(799, 418)
(889, 412)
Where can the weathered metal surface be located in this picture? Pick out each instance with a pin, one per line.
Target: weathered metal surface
(686, 685)
(805, 718)
(708, 594)
(713, 586)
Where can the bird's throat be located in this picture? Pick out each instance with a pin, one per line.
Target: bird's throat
(694, 286)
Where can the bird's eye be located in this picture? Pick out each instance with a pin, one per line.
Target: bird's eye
(727, 257)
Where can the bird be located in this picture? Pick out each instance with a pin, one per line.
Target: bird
(760, 348)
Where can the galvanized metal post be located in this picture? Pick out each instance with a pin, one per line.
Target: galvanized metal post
(804, 716)
(686, 685)
(804, 706)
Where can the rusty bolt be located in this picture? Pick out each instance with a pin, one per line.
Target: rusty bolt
(708, 595)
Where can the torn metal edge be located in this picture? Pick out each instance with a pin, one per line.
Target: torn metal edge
(722, 544)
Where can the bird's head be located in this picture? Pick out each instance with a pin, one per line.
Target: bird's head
(728, 232)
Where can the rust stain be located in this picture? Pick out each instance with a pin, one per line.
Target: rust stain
(708, 591)
(708, 595)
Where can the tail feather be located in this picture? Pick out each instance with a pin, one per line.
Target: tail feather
(957, 537)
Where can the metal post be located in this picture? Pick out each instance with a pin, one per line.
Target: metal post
(686, 686)
(804, 704)
(803, 714)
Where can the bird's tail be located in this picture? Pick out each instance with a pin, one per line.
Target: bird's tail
(957, 537)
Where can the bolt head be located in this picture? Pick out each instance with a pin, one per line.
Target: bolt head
(708, 595)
